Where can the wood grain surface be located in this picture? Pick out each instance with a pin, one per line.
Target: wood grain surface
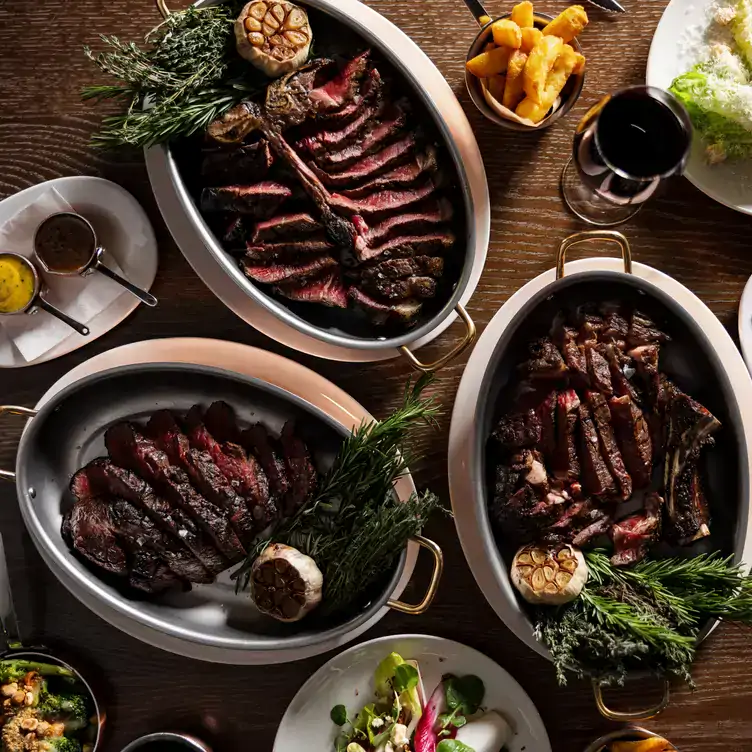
(44, 130)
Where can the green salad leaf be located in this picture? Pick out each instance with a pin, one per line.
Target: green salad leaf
(453, 745)
(464, 693)
(338, 715)
(405, 677)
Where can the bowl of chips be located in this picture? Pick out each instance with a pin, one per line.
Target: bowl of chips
(525, 70)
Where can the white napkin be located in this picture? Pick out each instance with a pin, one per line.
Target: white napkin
(82, 298)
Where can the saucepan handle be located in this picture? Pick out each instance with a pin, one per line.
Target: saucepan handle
(593, 236)
(14, 410)
(635, 715)
(433, 585)
(467, 340)
(479, 12)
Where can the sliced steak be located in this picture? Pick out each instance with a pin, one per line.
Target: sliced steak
(242, 471)
(518, 430)
(599, 372)
(425, 220)
(546, 413)
(622, 368)
(401, 289)
(203, 472)
(409, 245)
(633, 437)
(257, 440)
(518, 512)
(343, 87)
(646, 361)
(574, 355)
(615, 329)
(327, 290)
(130, 449)
(88, 529)
(290, 250)
(566, 464)
(633, 535)
(151, 575)
(261, 199)
(242, 165)
(234, 235)
(404, 311)
(386, 200)
(221, 423)
(116, 481)
(398, 177)
(284, 226)
(545, 361)
(596, 477)
(299, 468)
(687, 515)
(284, 272)
(432, 266)
(610, 449)
(642, 331)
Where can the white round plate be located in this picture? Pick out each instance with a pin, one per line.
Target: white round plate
(181, 217)
(347, 679)
(467, 491)
(124, 229)
(673, 52)
(274, 369)
(745, 323)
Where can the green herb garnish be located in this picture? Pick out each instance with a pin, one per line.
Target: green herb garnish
(405, 677)
(338, 715)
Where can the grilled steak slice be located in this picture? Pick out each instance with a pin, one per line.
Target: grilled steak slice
(599, 371)
(518, 430)
(242, 471)
(152, 576)
(88, 529)
(290, 249)
(401, 289)
(602, 417)
(633, 437)
(259, 200)
(283, 272)
(234, 236)
(203, 472)
(327, 290)
(405, 311)
(574, 355)
(633, 535)
(431, 266)
(646, 361)
(239, 166)
(112, 480)
(343, 87)
(425, 220)
(642, 331)
(369, 166)
(615, 329)
(386, 200)
(619, 364)
(579, 521)
(257, 440)
(566, 465)
(220, 422)
(601, 523)
(687, 514)
(596, 478)
(300, 470)
(284, 226)
(398, 177)
(546, 413)
(410, 245)
(130, 449)
(545, 360)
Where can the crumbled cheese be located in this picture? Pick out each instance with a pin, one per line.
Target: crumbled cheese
(377, 723)
(724, 15)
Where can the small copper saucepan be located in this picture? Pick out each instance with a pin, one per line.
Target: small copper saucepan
(36, 301)
(65, 244)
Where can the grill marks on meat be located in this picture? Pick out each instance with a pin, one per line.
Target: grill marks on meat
(599, 371)
(256, 200)
(258, 440)
(519, 430)
(609, 447)
(566, 464)
(299, 468)
(633, 436)
(403, 267)
(401, 289)
(545, 360)
(596, 477)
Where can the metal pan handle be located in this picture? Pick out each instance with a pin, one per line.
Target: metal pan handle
(593, 236)
(433, 585)
(14, 410)
(467, 340)
(635, 715)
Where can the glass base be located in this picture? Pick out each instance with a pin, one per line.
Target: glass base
(588, 205)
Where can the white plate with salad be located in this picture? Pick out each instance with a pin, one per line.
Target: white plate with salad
(702, 52)
(411, 693)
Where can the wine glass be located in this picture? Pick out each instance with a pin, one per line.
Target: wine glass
(624, 147)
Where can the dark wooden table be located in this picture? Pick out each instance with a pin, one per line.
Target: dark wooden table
(44, 131)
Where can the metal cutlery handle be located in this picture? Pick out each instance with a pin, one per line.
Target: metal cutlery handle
(58, 314)
(8, 616)
(477, 9)
(142, 295)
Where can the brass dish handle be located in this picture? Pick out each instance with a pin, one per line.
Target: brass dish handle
(635, 715)
(467, 340)
(433, 585)
(14, 410)
(592, 236)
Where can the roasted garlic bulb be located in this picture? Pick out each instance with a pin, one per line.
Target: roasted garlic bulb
(274, 36)
(285, 583)
(549, 576)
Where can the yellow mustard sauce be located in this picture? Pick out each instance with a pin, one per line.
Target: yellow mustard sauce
(16, 284)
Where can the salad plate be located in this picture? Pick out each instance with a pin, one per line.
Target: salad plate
(676, 47)
(349, 680)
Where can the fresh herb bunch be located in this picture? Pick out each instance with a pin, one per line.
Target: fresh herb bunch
(646, 617)
(354, 528)
(187, 75)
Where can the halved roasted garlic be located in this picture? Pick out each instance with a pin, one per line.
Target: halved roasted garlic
(274, 36)
(285, 583)
(550, 576)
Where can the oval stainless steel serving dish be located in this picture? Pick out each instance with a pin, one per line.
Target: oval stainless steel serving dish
(701, 358)
(68, 432)
(436, 97)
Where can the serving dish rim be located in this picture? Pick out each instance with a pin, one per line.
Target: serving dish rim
(64, 558)
(466, 449)
(457, 138)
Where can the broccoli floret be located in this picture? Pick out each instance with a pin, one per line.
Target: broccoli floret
(14, 669)
(72, 710)
(59, 744)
